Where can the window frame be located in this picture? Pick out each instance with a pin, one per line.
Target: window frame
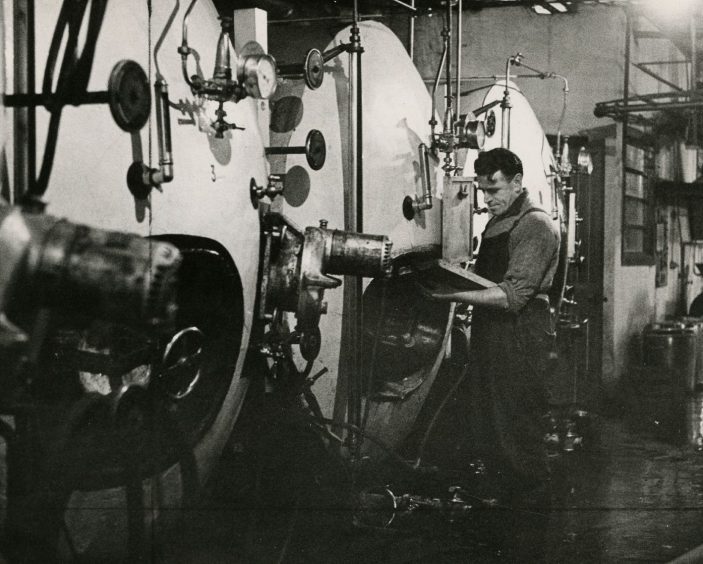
(645, 169)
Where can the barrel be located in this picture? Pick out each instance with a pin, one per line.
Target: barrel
(669, 352)
(694, 421)
(695, 323)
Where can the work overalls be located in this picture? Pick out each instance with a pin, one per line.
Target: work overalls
(508, 362)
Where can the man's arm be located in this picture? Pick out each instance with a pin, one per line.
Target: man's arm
(494, 296)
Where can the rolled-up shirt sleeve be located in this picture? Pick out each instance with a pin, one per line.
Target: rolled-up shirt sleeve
(534, 253)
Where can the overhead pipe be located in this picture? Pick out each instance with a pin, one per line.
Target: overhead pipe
(184, 49)
(433, 120)
(519, 62)
(602, 111)
(506, 104)
(488, 77)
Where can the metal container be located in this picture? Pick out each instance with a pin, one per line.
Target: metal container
(695, 323)
(669, 350)
(694, 421)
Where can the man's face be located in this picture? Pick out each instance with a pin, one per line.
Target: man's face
(499, 192)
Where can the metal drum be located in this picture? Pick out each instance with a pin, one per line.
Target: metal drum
(527, 141)
(696, 324)
(669, 352)
(694, 421)
(206, 210)
(396, 111)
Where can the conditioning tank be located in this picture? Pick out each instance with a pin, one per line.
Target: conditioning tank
(402, 333)
(103, 159)
(527, 141)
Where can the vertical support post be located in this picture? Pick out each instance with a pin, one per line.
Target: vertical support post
(355, 380)
(625, 97)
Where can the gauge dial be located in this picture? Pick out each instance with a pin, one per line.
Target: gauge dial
(259, 76)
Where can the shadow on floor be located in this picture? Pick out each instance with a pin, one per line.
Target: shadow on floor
(279, 496)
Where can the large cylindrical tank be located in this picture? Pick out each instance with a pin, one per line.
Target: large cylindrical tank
(396, 112)
(527, 141)
(206, 210)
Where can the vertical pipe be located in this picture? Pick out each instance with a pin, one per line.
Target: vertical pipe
(412, 32)
(359, 218)
(354, 382)
(694, 71)
(459, 22)
(505, 110)
(448, 80)
(24, 83)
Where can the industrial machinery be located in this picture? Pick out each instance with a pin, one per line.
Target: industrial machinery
(56, 274)
(527, 139)
(137, 135)
(387, 322)
(134, 132)
(269, 205)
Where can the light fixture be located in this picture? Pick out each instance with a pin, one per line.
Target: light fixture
(541, 10)
(548, 8)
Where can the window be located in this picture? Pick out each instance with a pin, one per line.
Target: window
(637, 208)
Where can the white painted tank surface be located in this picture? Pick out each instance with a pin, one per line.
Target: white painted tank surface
(527, 141)
(396, 112)
(206, 210)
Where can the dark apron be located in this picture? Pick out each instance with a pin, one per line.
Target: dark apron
(509, 354)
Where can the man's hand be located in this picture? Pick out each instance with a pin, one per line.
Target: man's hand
(430, 291)
(493, 297)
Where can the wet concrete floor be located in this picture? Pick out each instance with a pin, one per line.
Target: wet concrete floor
(628, 494)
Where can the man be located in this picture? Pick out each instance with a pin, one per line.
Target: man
(511, 329)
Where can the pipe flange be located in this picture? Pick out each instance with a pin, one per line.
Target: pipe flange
(490, 124)
(315, 149)
(313, 70)
(386, 258)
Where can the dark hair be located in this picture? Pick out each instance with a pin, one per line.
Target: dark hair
(498, 159)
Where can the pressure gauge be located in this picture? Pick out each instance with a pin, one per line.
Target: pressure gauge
(257, 71)
(129, 96)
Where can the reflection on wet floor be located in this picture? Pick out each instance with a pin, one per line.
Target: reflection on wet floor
(624, 495)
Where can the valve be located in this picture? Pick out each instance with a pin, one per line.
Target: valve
(315, 150)
(273, 188)
(298, 268)
(235, 76)
(311, 69)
